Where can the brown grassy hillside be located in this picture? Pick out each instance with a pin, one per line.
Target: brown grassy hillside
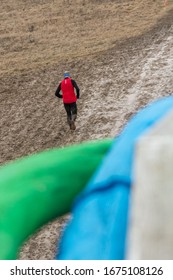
(36, 34)
(120, 53)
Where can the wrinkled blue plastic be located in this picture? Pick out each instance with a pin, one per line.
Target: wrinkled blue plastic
(97, 230)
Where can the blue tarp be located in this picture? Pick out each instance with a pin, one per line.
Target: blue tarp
(97, 230)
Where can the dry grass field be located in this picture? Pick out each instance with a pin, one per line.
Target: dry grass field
(120, 53)
(37, 34)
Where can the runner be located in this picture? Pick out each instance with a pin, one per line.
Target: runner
(70, 94)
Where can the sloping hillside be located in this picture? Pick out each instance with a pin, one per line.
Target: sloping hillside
(119, 52)
(37, 34)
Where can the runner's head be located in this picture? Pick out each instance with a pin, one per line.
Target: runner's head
(66, 74)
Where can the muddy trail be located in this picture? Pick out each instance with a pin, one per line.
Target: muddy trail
(114, 85)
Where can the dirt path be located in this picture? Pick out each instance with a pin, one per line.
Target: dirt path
(114, 87)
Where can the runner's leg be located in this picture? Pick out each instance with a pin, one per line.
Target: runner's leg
(74, 110)
(68, 111)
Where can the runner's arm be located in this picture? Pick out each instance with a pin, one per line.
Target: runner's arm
(57, 92)
(76, 87)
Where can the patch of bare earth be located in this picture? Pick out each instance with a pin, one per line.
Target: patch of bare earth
(119, 52)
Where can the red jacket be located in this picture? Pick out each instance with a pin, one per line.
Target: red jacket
(68, 93)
